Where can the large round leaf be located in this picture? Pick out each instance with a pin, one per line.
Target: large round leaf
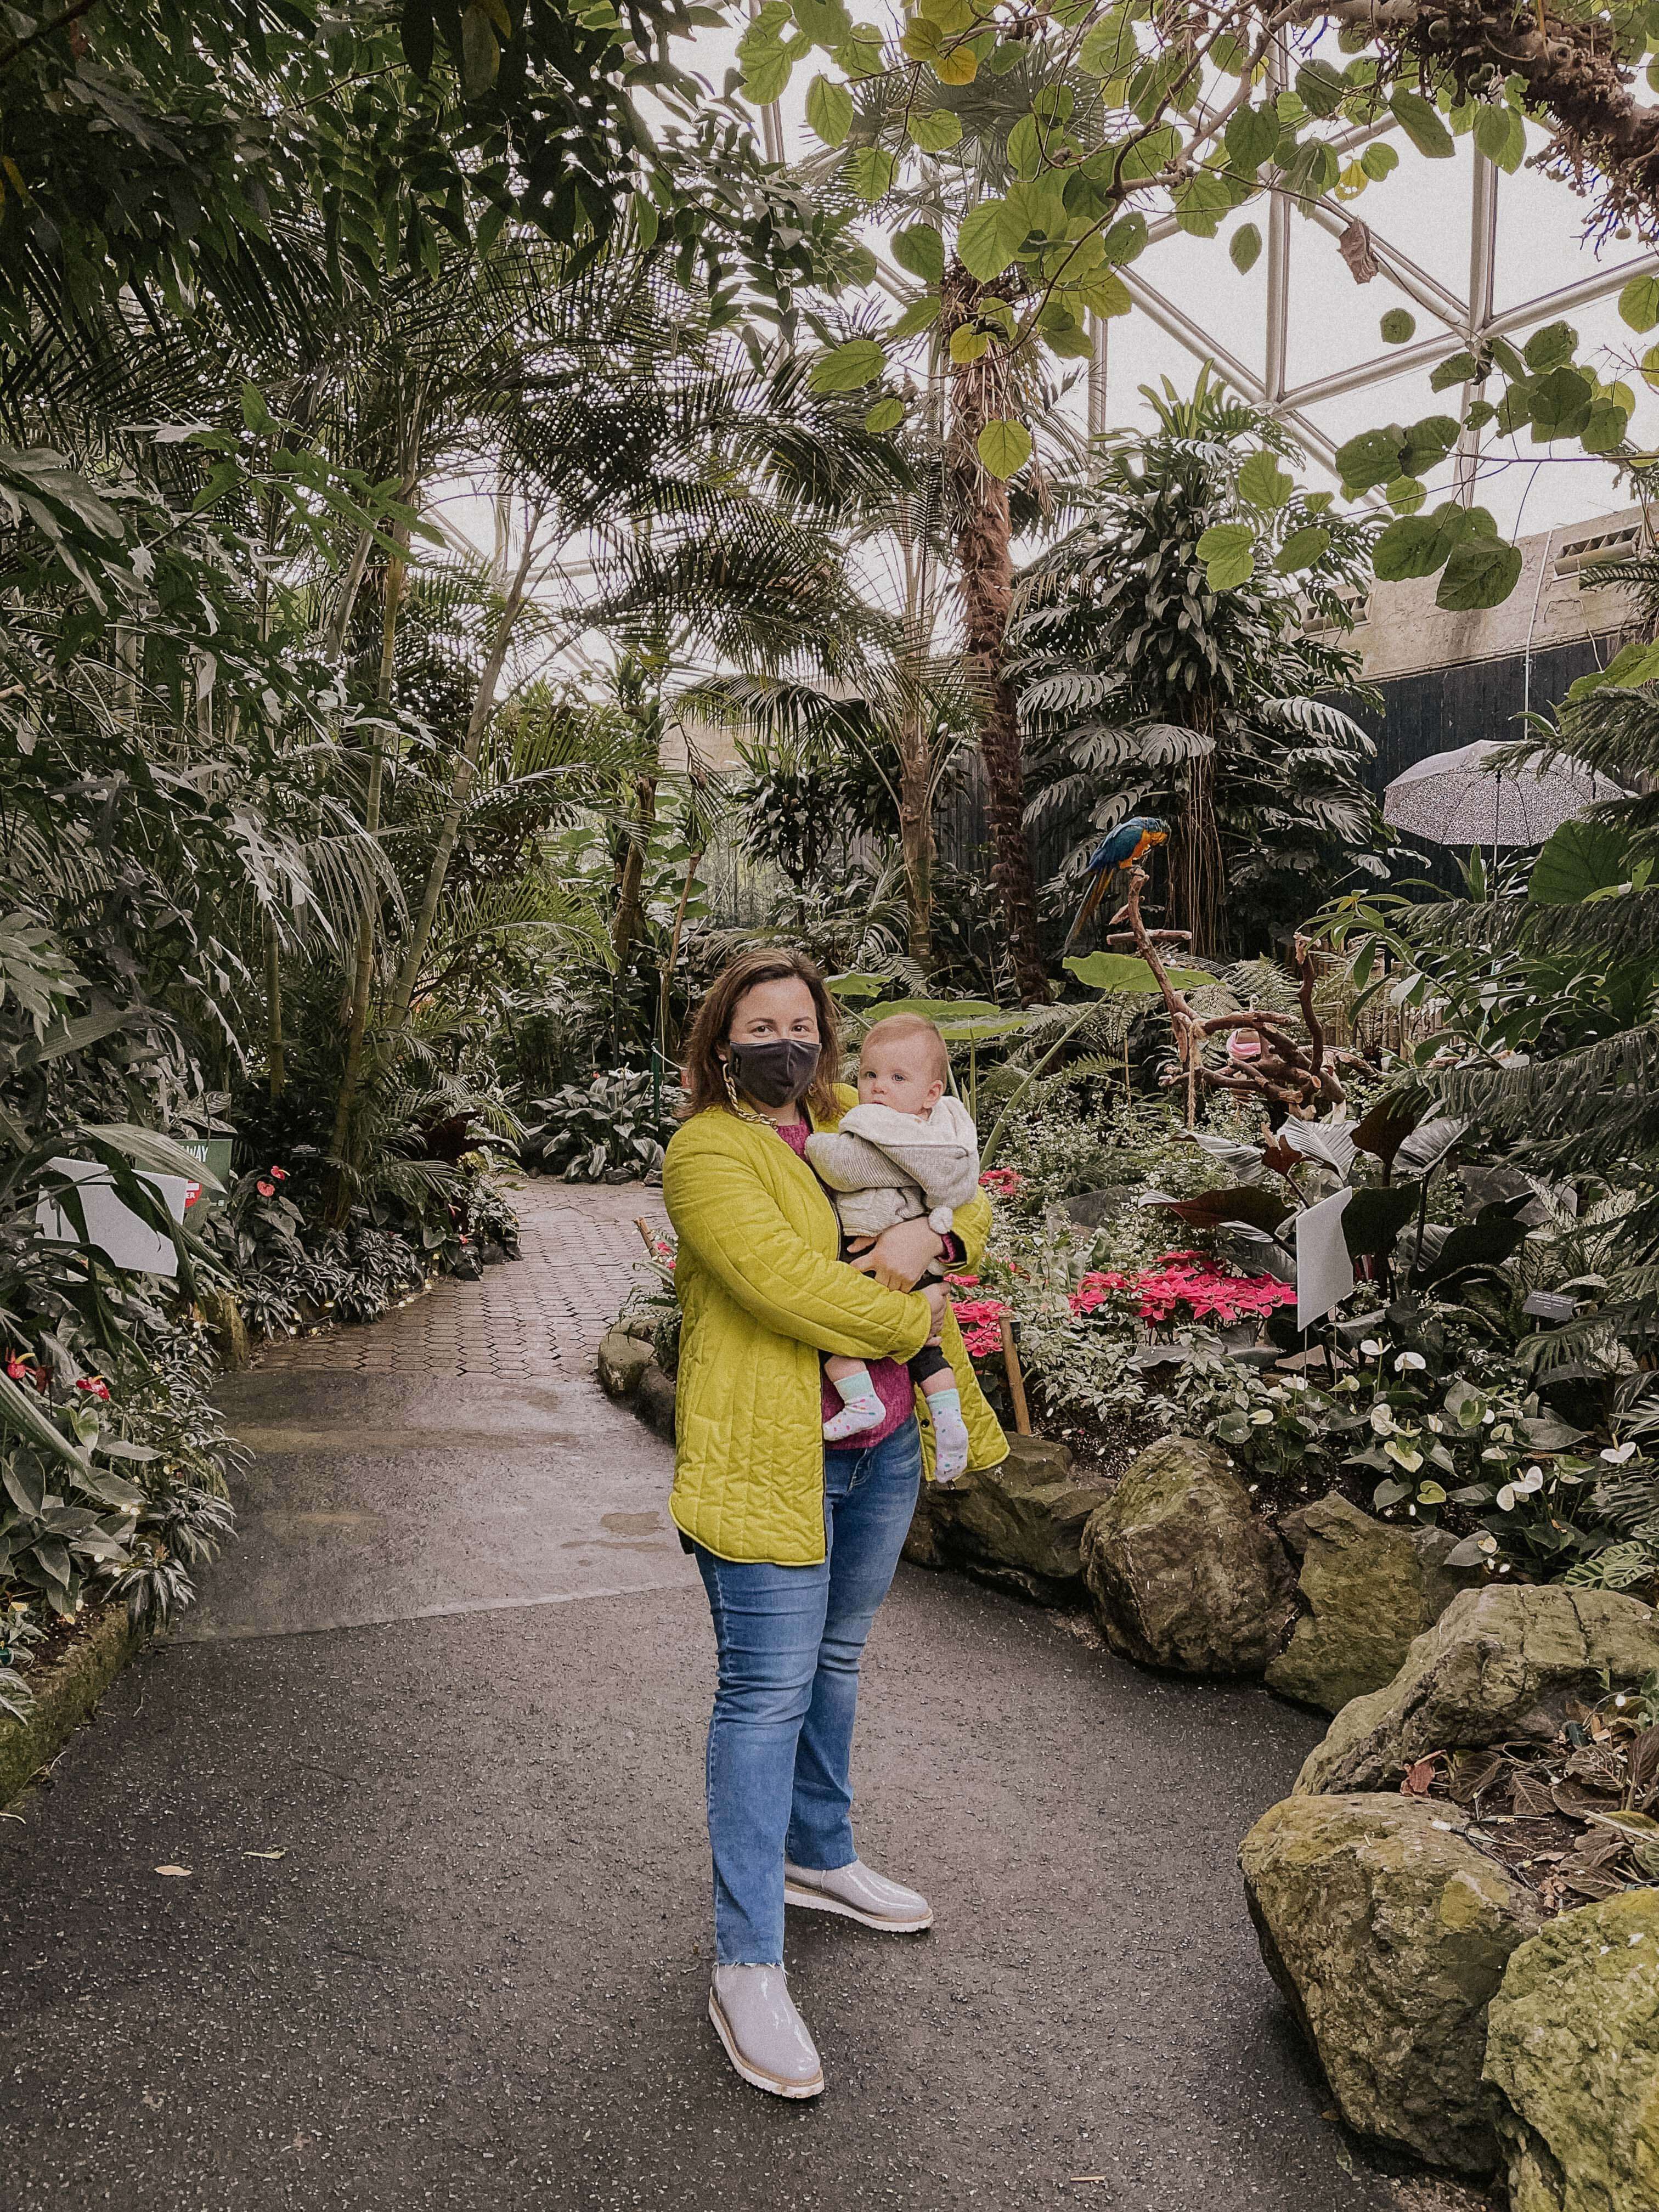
(1482, 572)
(1118, 972)
(1004, 447)
(1577, 861)
(859, 362)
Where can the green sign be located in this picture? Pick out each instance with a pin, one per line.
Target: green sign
(214, 1153)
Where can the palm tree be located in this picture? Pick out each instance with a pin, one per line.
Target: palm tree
(891, 690)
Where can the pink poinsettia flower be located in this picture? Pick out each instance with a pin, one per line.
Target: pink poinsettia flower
(980, 1321)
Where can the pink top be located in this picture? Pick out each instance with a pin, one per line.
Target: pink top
(891, 1380)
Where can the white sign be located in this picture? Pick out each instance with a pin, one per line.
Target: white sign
(1324, 1266)
(124, 1238)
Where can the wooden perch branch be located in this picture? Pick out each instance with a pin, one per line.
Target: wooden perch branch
(1287, 1072)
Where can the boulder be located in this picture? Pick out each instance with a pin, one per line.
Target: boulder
(1389, 1933)
(623, 1360)
(1572, 2050)
(655, 1400)
(225, 1323)
(1183, 1572)
(1369, 1588)
(1501, 1663)
(1026, 1515)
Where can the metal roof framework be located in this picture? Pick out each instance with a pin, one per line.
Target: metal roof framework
(1467, 317)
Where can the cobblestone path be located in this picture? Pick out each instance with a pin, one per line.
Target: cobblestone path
(547, 1310)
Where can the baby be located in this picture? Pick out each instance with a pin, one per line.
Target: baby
(907, 1149)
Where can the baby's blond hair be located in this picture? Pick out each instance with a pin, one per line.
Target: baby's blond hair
(895, 1026)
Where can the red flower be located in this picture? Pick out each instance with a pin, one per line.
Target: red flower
(278, 1175)
(1188, 1279)
(17, 1368)
(980, 1321)
(1004, 1181)
(94, 1389)
(266, 1189)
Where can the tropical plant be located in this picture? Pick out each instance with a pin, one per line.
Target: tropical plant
(1538, 996)
(613, 1129)
(1146, 690)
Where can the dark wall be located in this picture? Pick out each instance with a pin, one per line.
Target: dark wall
(1433, 713)
(1445, 708)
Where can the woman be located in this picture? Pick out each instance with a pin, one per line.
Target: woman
(796, 1544)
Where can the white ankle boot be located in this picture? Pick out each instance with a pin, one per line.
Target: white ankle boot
(859, 1892)
(765, 2037)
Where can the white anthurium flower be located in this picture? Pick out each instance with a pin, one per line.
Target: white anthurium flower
(1371, 1348)
(1524, 1485)
(1616, 1455)
(1382, 1420)
(1408, 1361)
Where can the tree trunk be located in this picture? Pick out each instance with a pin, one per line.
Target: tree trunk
(467, 767)
(397, 574)
(667, 977)
(981, 392)
(1195, 863)
(630, 904)
(274, 1053)
(916, 719)
(916, 838)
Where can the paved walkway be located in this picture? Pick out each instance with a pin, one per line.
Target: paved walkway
(431, 1749)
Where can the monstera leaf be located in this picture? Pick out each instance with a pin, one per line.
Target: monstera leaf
(1578, 860)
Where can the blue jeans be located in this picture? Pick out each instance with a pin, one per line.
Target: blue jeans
(779, 1743)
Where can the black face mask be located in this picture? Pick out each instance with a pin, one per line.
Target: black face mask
(775, 1073)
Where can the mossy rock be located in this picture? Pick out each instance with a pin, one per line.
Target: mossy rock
(623, 1360)
(1020, 1522)
(1500, 1663)
(1389, 1933)
(1572, 2050)
(1369, 1588)
(653, 1401)
(225, 1323)
(1182, 1570)
(65, 1692)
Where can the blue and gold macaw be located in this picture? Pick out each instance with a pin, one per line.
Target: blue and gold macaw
(1112, 858)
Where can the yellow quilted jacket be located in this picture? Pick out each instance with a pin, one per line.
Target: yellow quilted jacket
(762, 1293)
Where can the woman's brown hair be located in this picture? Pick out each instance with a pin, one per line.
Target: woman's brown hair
(703, 1074)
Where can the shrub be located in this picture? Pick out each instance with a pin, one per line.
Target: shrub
(607, 1130)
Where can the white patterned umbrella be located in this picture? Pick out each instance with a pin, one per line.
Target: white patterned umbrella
(1460, 798)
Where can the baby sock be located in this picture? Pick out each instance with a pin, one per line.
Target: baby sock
(949, 1434)
(861, 1408)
